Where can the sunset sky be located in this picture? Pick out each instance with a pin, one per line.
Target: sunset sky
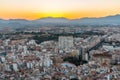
(72, 9)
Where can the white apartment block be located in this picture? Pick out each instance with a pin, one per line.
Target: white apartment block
(65, 42)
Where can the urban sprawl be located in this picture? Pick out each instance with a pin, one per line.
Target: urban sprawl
(60, 53)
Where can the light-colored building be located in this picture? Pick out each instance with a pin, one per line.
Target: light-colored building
(65, 43)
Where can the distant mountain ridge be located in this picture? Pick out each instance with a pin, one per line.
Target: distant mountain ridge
(19, 23)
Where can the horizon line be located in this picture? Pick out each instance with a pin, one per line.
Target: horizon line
(55, 17)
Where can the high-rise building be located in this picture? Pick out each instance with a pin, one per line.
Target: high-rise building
(65, 42)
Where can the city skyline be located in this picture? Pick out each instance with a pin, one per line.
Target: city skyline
(71, 9)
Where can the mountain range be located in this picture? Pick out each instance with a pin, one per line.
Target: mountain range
(49, 21)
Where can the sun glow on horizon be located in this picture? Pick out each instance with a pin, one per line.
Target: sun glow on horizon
(71, 9)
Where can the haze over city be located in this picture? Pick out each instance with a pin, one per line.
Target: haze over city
(59, 39)
(71, 9)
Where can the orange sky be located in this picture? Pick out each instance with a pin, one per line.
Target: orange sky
(72, 9)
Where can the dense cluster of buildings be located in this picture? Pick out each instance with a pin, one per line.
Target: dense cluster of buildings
(24, 59)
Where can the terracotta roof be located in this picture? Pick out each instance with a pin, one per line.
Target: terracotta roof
(104, 55)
